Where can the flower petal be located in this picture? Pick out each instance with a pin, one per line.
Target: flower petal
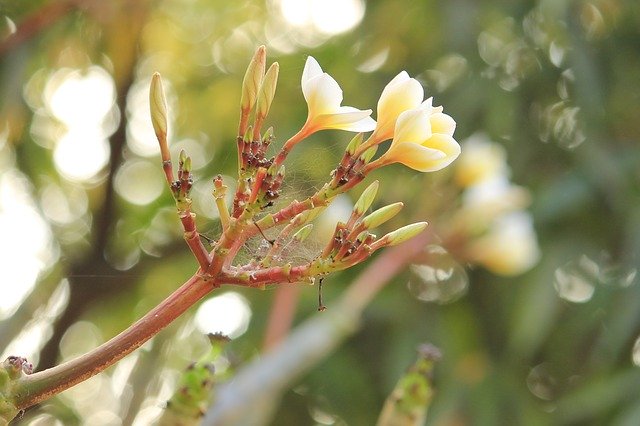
(442, 123)
(418, 157)
(401, 94)
(311, 69)
(323, 94)
(347, 118)
(412, 126)
(446, 144)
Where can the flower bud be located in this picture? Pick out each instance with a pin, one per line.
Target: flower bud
(253, 79)
(267, 90)
(354, 144)
(403, 234)
(369, 153)
(186, 165)
(366, 199)
(268, 136)
(248, 135)
(158, 107)
(382, 215)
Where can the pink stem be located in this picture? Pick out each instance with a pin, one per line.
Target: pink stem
(42, 385)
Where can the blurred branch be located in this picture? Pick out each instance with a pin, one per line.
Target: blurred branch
(283, 310)
(260, 384)
(38, 21)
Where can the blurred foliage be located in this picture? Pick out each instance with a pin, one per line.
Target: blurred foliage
(554, 81)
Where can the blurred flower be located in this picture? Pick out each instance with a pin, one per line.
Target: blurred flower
(324, 96)
(509, 247)
(423, 140)
(490, 198)
(481, 159)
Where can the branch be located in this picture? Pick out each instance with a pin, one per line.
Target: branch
(41, 385)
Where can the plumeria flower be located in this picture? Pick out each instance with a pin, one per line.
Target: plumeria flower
(423, 140)
(481, 160)
(324, 96)
(509, 247)
(401, 94)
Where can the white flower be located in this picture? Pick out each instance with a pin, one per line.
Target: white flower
(324, 96)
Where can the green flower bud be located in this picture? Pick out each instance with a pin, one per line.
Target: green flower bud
(382, 215)
(354, 144)
(268, 135)
(366, 199)
(158, 106)
(267, 90)
(186, 165)
(369, 153)
(405, 233)
(253, 79)
(248, 135)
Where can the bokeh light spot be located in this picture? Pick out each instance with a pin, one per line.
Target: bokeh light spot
(325, 16)
(228, 313)
(80, 155)
(139, 182)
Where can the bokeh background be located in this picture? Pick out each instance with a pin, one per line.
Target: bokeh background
(89, 240)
